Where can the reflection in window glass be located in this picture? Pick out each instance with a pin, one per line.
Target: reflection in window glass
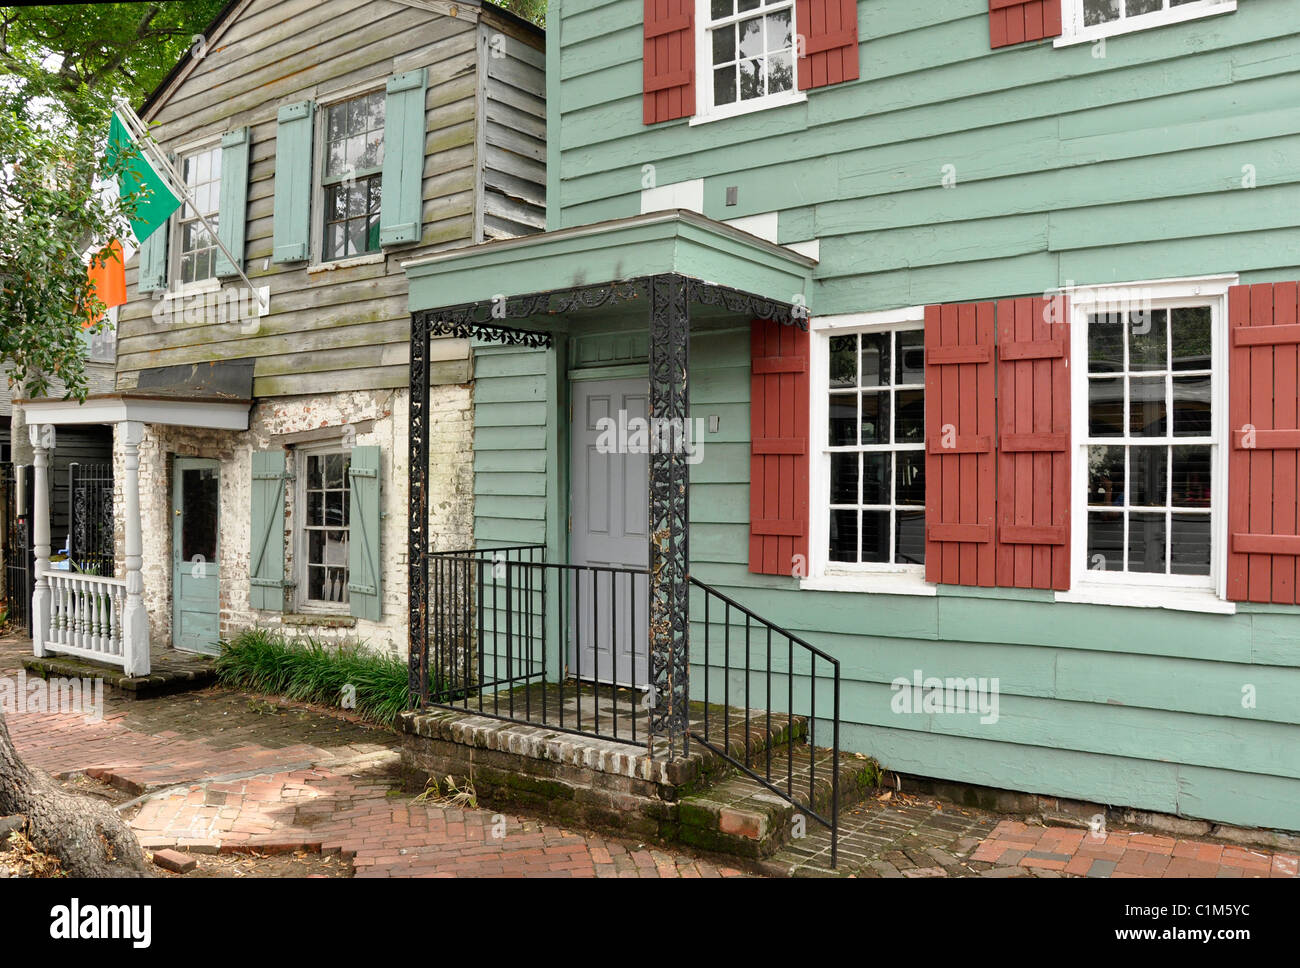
(751, 49)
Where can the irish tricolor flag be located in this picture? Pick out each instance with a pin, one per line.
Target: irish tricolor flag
(155, 200)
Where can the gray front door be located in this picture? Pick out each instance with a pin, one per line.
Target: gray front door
(609, 504)
(196, 491)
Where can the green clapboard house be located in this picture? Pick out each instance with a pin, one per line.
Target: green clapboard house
(957, 341)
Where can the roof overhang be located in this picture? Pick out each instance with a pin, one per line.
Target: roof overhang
(672, 242)
(169, 410)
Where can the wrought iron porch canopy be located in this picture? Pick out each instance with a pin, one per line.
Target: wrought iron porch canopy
(513, 291)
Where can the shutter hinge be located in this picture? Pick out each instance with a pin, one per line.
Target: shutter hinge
(570, 524)
(362, 472)
(361, 589)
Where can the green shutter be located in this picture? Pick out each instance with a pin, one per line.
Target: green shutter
(233, 205)
(363, 536)
(153, 261)
(266, 564)
(400, 204)
(293, 176)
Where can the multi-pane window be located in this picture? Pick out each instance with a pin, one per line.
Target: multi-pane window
(751, 49)
(324, 525)
(354, 158)
(1097, 12)
(876, 447)
(197, 249)
(1150, 447)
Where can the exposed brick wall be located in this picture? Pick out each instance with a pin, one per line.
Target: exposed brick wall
(451, 512)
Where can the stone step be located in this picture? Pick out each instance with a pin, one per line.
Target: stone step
(737, 814)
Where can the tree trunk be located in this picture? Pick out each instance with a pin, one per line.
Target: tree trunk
(84, 833)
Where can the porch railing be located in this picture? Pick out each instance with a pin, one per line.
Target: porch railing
(86, 616)
(516, 637)
(769, 700)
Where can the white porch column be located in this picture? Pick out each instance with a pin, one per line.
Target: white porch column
(42, 438)
(135, 621)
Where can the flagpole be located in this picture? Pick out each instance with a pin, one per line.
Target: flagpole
(144, 141)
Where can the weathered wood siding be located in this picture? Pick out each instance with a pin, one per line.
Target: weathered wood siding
(512, 135)
(344, 328)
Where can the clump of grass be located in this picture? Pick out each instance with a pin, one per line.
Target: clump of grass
(372, 685)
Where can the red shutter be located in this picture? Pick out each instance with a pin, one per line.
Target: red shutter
(669, 60)
(1033, 539)
(829, 32)
(959, 434)
(1017, 21)
(1263, 537)
(778, 466)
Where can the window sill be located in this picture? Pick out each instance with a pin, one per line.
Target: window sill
(1176, 599)
(331, 620)
(1087, 35)
(369, 258)
(192, 289)
(872, 583)
(749, 107)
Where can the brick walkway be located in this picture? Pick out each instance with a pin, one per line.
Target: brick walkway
(218, 770)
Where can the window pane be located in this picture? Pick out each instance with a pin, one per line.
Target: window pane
(1147, 349)
(875, 536)
(724, 85)
(1190, 332)
(1105, 344)
(875, 359)
(1146, 406)
(744, 5)
(844, 478)
(843, 430)
(780, 73)
(875, 478)
(1106, 408)
(844, 536)
(724, 45)
(1192, 406)
(335, 467)
(336, 122)
(1191, 478)
(722, 8)
(315, 472)
(909, 358)
(1146, 543)
(199, 500)
(1105, 541)
(909, 544)
(842, 369)
(1189, 541)
(1106, 475)
(1100, 11)
(909, 477)
(875, 417)
(751, 79)
(1138, 7)
(315, 507)
(910, 425)
(778, 30)
(1148, 474)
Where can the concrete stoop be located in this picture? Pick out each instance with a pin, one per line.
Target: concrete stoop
(171, 672)
(699, 800)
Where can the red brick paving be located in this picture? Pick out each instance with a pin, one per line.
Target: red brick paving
(1084, 853)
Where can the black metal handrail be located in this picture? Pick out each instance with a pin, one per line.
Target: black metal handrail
(494, 614)
(756, 671)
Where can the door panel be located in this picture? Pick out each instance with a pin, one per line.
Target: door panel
(609, 504)
(196, 493)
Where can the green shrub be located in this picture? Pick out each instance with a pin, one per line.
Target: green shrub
(311, 671)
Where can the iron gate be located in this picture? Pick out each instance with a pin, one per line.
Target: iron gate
(90, 518)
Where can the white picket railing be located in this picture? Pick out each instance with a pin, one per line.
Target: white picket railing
(86, 616)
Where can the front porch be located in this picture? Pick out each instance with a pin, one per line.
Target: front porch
(101, 619)
(609, 636)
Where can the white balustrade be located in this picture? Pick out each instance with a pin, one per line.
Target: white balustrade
(85, 616)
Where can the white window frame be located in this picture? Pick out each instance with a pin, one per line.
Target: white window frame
(1074, 31)
(298, 519)
(705, 109)
(823, 574)
(1192, 592)
(174, 286)
(318, 262)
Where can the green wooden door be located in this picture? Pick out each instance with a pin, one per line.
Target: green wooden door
(196, 492)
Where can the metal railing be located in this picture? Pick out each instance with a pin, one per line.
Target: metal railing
(519, 638)
(750, 665)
